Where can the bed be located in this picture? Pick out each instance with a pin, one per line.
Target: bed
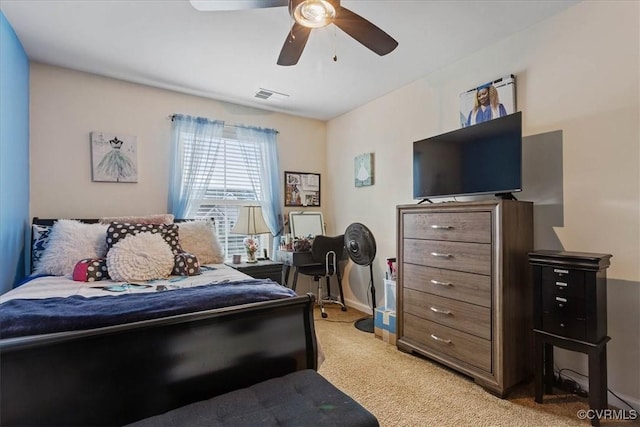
(96, 369)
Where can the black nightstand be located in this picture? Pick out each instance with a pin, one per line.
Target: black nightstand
(266, 269)
(570, 311)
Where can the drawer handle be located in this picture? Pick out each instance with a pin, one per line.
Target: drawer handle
(440, 339)
(441, 227)
(440, 255)
(557, 270)
(437, 282)
(562, 284)
(437, 310)
(561, 299)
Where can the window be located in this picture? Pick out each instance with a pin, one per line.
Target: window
(233, 181)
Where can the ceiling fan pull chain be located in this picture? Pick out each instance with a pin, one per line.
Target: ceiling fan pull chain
(335, 56)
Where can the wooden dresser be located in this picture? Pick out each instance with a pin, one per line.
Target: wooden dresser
(464, 288)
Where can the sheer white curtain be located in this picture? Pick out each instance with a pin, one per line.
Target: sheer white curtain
(194, 146)
(269, 176)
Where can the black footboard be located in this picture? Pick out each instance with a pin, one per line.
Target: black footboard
(120, 374)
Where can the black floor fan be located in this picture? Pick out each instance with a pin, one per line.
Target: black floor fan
(361, 247)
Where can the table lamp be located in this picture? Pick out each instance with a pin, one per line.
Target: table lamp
(251, 223)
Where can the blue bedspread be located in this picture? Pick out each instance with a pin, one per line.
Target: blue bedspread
(20, 317)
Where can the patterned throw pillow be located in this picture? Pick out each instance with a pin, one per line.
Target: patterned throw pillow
(40, 239)
(186, 264)
(91, 270)
(119, 230)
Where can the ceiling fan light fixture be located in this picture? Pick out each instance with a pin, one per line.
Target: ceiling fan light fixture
(314, 13)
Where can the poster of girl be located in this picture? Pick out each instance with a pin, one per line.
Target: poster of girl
(488, 101)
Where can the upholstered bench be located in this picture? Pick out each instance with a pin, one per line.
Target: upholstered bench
(302, 398)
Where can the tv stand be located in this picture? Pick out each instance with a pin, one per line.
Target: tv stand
(506, 196)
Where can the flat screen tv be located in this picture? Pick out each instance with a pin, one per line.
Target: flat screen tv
(485, 158)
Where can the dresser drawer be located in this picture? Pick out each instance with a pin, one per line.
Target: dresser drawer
(459, 315)
(472, 288)
(469, 257)
(563, 280)
(449, 342)
(453, 226)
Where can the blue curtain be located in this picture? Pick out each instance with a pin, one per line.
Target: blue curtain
(271, 200)
(193, 157)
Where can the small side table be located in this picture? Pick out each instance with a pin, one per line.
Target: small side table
(570, 311)
(265, 269)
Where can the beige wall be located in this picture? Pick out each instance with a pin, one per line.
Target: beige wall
(67, 105)
(576, 73)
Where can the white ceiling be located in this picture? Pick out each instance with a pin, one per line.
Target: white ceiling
(230, 55)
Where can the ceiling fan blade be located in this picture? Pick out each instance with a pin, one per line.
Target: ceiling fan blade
(364, 31)
(294, 45)
(206, 5)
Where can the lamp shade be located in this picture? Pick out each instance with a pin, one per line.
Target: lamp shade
(250, 221)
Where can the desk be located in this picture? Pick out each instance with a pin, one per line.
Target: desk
(295, 259)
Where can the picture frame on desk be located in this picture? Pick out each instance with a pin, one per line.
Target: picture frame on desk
(301, 189)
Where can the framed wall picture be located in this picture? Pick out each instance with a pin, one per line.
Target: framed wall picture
(488, 101)
(301, 189)
(114, 158)
(363, 170)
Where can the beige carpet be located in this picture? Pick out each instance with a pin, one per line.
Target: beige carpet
(406, 390)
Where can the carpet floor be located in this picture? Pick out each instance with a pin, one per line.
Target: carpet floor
(407, 390)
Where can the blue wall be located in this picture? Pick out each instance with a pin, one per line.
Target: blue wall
(14, 156)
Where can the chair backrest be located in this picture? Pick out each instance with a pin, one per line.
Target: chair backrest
(325, 244)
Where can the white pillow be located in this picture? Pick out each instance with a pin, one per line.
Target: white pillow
(199, 238)
(144, 219)
(69, 242)
(139, 257)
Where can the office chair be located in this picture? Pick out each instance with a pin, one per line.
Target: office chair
(326, 253)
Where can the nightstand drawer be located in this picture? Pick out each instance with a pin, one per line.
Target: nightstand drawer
(265, 269)
(469, 257)
(453, 226)
(450, 342)
(459, 315)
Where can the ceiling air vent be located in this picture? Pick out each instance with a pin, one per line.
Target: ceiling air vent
(271, 95)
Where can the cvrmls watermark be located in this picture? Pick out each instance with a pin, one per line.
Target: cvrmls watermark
(607, 414)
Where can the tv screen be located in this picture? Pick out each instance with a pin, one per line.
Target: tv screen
(481, 159)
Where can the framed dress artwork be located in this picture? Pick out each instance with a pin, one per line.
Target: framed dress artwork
(114, 157)
(363, 170)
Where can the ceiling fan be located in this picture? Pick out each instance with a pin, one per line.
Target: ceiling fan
(307, 15)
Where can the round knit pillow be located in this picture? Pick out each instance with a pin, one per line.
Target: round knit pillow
(138, 257)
